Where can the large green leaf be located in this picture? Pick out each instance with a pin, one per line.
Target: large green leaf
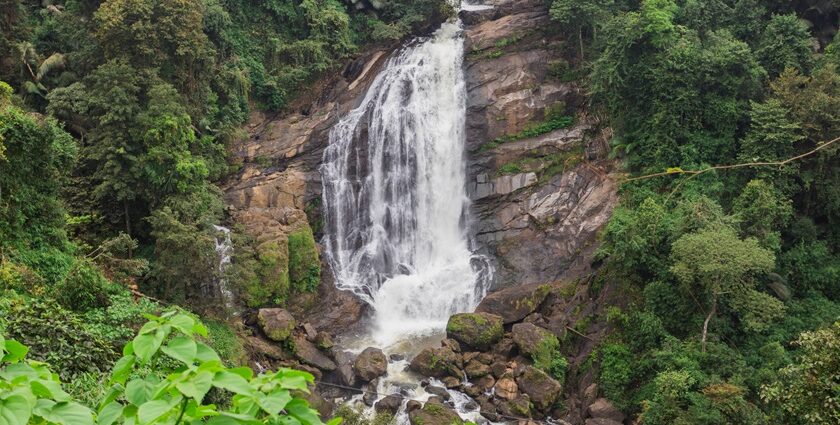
(275, 402)
(110, 413)
(139, 391)
(14, 350)
(14, 410)
(182, 349)
(146, 345)
(299, 409)
(122, 369)
(196, 386)
(233, 383)
(72, 413)
(150, 411)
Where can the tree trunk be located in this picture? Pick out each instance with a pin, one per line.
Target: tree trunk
(580, 40)
(127, 224)
(706, 323)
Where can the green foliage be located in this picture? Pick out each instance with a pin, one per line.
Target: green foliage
(56, 336)
(549, 359)
(37, 158)
(762, 210)
(616, 372)
(304, 262)
(786, 43)
(30, 390)
(83, 288)
(806, 392)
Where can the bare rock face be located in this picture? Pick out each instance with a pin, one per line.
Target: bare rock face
(371, 364)
(540, 197)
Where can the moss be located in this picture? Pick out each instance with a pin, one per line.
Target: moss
(474, 329)
(304, 262)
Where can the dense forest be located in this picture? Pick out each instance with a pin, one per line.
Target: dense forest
(116, 119)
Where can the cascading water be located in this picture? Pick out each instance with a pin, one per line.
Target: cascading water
(224, 251)
(395, 194)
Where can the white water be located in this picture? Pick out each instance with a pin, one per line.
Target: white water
(395, 194)
(224, 251)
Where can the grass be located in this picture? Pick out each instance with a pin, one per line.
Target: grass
(552, 123)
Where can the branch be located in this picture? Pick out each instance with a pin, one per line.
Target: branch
(694, 173)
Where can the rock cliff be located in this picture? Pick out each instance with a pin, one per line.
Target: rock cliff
(538, 173)
(540, 181)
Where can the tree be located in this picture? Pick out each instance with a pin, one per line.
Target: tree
(763, 212)
(786, 43)
(808, 391)
(715, 265)
(579, 13)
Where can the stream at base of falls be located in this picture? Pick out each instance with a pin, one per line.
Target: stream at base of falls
(397, 212)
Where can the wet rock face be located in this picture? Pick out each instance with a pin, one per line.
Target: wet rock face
(371, 364)
(540, 198)
(475, 330)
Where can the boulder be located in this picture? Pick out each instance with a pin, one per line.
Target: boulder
(474, 369)
(519, 407)
(413, 405)
(438, 391)
(389, 404)
(506, 388)
(436, 362)
(475, 330)
(451, 382)
(542, 389)
(308, 353)
(602, 408)
(276, 323)
(514, 303)
(346, 373)
(487, 408)
(529, 337)
(323, 340)
(434, 414)
(371, 364)
(369, 395)
(601, 421)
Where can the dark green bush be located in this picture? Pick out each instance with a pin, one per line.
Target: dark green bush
(84, 288)
(57, 336)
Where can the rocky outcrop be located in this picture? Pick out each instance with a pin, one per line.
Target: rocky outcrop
(517, 375)
(541, 191)
(475, 330)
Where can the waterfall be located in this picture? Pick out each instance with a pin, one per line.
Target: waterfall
(395, 199)
(224, 251)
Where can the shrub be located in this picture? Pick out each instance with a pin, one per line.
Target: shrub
(58, 337)
(549, 359)
(616, 372)
(136, 394)
(83, 288)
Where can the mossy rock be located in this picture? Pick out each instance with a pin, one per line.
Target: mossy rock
(276, 323)
(514, 303)
(476, 330)
(434, 414)
(304, 262)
